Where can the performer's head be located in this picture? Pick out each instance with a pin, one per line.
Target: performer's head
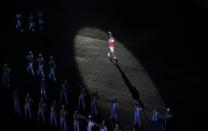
(65, 81)
(28, 94)
(30, 52)
(110, 33)
(103, 123)
(89, 117)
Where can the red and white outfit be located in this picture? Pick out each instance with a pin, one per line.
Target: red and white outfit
(111, 45)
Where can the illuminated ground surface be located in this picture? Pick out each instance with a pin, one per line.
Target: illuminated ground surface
(100, 74)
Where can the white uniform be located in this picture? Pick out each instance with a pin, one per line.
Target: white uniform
(19, 24)
(40, 20)
(94, 105)
(30, 58)
(90, 125)
(52, 65)
(31, 21)
(40, 62)
(137, 116)
(155, 116)
(6, 75)
(81, 104)
(114, 111)
(104, 128)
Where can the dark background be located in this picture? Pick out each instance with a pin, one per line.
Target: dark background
(154, 30)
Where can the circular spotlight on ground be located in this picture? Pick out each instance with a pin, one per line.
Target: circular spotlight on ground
(126, 81)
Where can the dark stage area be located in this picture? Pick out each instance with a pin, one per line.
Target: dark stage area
(151, 32)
